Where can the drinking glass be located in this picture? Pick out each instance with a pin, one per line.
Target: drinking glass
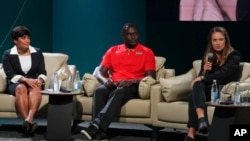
(245, 97)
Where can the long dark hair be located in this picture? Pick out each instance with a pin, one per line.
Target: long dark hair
(225, 52)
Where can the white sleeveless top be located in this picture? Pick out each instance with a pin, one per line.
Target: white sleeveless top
(25, 63)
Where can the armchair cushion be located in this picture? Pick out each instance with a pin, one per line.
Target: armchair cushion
(159, 62)
(145, 86)
(89, 84)
(177, 88)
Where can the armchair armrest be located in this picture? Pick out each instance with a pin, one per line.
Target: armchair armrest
(155, 98)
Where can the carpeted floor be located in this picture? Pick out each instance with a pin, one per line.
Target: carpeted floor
(11, 130)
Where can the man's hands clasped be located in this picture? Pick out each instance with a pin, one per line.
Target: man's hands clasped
(110, 84)
(121, 84)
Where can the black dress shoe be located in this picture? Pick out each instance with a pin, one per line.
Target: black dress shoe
(202, 126)
(33, 128)
(29, 128)
(187, 138)
(26, 127)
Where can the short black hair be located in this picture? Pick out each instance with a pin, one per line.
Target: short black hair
(127, 25)
(19, 31)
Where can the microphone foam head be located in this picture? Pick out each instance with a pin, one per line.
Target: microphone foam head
(210, 57)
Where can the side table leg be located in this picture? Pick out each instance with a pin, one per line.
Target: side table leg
(219, 130)
(59, 118)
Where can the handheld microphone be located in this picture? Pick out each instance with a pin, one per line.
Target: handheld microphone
(210, 57)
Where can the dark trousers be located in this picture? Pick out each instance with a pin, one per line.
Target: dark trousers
(197, 99)
(107, 103)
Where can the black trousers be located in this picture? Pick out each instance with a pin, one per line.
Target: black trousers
(107, 103)
(197, 99)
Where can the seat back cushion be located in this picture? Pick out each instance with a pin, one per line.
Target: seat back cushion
(55, 62)
(245, 73)
(160, 68)
(197, 66)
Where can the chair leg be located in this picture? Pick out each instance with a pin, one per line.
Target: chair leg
(154, 133)
(75, 124)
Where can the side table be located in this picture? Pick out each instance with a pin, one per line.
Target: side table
(224, 116)
(59, 115)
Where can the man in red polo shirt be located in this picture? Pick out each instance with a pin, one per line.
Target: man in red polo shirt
(122, 68)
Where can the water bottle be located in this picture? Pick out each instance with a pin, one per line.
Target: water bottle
(214, 91)
(77, 82)
(56, 87)
(51, 83)
(69, 84)
(236, 95)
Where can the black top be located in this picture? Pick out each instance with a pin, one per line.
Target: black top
(12, 66)
(226, 73)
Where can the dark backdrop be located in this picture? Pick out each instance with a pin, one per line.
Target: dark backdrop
(183, 42)
(84, 29)
(35, 14)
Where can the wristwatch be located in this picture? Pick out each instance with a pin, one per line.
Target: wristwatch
(134, 81)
